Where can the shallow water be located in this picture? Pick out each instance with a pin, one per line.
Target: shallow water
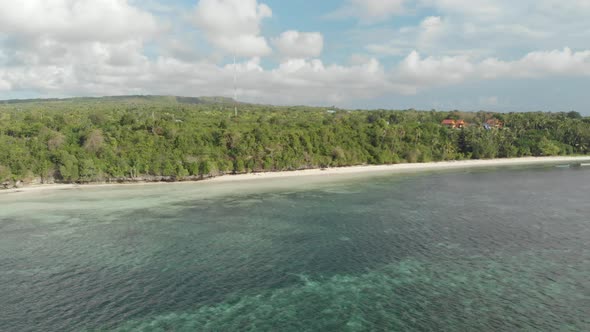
(490, 250)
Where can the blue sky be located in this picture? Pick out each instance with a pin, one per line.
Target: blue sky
(499, 55)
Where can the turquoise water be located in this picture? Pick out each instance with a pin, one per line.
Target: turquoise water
(489, 250)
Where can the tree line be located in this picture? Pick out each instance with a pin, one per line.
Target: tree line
(111, 139)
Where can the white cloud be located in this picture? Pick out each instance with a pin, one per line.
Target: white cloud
(422, 37)
(58, 54)
(431, 28)
(370, 10)
(293, 81)
(91, 72)
(540, 64)
(295, 44)
(56, 46)
(4, 85)
(420, 73)
(234, 25)
(75, 20)
(480, 8)
(431, 23)
(490, 28)
(433, 71)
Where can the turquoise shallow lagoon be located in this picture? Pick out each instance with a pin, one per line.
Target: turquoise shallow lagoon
(504, 249)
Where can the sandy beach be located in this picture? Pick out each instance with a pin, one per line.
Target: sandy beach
(353, 170)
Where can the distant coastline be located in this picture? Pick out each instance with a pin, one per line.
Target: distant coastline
(351, 170)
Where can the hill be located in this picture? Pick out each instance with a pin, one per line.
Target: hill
(129, 99)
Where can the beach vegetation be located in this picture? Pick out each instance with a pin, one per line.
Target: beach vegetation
(104, 139)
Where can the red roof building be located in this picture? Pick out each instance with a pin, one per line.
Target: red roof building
(495, 123)
(449, 123)
(455, 124)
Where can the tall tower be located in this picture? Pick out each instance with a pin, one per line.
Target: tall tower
(235, 87)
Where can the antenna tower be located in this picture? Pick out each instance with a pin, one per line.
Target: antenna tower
(235, 87)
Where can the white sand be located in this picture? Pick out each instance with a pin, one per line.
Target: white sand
(398, 168)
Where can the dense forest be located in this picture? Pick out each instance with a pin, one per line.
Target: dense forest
(172, 138)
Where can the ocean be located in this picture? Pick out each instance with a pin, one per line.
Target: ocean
(495, 249)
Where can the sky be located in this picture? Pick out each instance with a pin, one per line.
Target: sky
(496, 55)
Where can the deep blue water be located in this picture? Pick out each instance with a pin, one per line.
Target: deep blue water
(488, 250)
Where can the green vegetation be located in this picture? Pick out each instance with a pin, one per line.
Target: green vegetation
(170, 138)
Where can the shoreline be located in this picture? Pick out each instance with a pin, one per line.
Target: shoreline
(350, 170)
